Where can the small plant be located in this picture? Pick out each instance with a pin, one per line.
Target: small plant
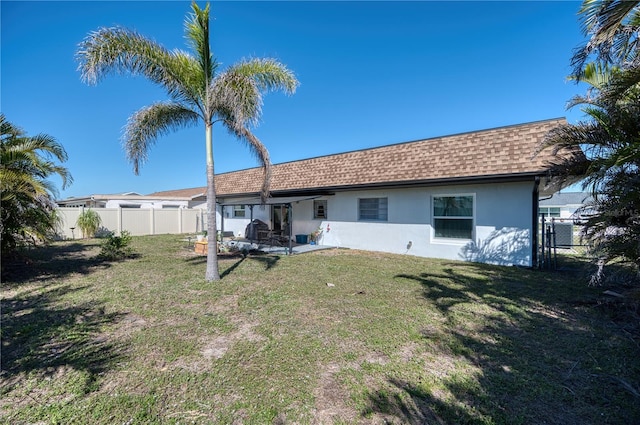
(315, 235)
(89, 221)
(116, 247)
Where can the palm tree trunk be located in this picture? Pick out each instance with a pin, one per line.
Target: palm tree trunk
(212, 273)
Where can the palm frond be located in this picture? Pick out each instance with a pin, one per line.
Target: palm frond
(268, 74)
(612, 28)
(236, 94)
(622, 86)
(197, 33)
(259, 150)
(147, 124)
(8, 131)
(234, 98)
(16, 183)
(119, 50)
(604, 18)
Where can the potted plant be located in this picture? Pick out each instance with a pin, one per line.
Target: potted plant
(315, 236)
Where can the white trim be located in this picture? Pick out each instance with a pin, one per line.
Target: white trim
(442, 240)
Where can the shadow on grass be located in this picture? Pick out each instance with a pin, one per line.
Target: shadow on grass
(501, 286)
(268, 260)
(414, 405)
(534, 350)
(42, 336)
(51, 262)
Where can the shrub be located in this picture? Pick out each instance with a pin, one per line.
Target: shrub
(89, 222)
(116, 247)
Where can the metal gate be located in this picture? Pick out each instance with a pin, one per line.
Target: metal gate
(554, 234)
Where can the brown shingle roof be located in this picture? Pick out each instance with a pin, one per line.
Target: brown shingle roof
(181, 193)
(498, 152)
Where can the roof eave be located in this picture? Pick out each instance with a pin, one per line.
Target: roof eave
(328, 190)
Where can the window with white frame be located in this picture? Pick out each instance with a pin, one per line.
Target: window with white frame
(453, 216)
(238, 211)
(550, 211)
(320, 209)
(372, 209)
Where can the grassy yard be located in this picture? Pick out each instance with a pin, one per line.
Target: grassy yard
(331, 337)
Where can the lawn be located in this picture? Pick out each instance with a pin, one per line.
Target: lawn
(331, 337)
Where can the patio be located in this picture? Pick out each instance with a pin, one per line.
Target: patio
(242, 244)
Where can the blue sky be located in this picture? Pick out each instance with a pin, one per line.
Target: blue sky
(371, 74)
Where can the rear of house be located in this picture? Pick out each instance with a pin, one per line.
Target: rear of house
(471, 196)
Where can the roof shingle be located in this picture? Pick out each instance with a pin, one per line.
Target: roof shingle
(502, 151)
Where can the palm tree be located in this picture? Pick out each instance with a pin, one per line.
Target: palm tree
(197, 91)
(610, 165)
(27, 196)
(612, 27)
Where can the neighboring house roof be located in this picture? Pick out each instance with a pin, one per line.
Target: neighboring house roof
(125, 197)
(504, 152)
(193, 192)
(568, 198)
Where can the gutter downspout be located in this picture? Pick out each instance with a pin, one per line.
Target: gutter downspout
(535, 205)
(290, 214)
(221, 222)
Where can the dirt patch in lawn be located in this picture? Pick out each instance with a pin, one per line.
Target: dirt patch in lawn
(217, 347)
(330, 396)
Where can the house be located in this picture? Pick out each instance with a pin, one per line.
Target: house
(564, 205)
(470, 196)
(134, 200)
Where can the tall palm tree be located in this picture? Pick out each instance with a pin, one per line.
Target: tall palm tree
(612, 27)
(198, 92)
(26, 195)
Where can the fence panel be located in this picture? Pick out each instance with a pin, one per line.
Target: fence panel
(136, 221)
(192, 220)
(110, 218)
(166, 221)
(68, 229)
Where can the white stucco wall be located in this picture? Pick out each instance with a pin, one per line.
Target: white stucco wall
(501, 232)
(502, 223)
(238, 225)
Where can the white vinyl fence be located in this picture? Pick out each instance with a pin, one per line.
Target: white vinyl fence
(137, 221)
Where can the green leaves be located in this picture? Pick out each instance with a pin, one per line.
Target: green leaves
(150, 122)
(610, 167)
(612, 27)
(89, 222)
(27, 196)
(197, 30)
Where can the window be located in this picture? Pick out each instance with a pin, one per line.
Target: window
(238, 211)
(319, 209)
(550, 211)
(453, 216)
(374, 209)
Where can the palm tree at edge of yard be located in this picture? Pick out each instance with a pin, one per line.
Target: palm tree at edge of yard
(27, 197)
(197, 92)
